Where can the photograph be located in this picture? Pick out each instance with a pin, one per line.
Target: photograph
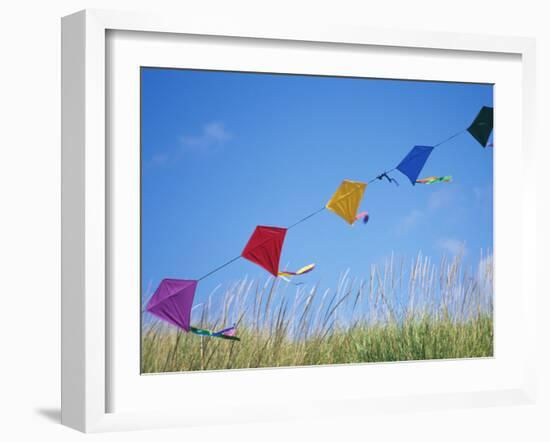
(291, 220)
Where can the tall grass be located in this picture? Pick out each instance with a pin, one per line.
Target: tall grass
(400, 311)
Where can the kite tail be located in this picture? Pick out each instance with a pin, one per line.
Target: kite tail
(303, 270)
(228, 333)
(360, 215)
(435, 179)
(363, 215)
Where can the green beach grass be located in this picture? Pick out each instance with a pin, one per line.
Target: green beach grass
(399, 312)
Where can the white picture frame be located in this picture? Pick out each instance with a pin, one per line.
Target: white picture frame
(86, 204)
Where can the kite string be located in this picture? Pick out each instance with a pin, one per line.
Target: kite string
(305, 218)
(450, 138)
(219, 268)
(382, 175)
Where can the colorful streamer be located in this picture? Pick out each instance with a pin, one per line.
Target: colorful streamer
(435, 179)
(229, 331)
(229, 334)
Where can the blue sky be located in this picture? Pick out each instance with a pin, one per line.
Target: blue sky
(223, 152)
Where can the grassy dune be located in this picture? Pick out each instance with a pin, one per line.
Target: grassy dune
(399, 312)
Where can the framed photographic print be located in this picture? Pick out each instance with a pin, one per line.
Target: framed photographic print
(252, 213)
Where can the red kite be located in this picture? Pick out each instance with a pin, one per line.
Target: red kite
(264, 248)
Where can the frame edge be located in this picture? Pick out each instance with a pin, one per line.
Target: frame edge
(83, 345)
(73, 81)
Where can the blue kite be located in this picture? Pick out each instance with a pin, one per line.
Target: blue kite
(412, 164)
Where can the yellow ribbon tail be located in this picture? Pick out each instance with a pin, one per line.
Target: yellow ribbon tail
(301, 271)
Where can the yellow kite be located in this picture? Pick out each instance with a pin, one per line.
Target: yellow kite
(345, 201)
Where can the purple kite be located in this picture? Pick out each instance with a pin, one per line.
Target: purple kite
(172, 302)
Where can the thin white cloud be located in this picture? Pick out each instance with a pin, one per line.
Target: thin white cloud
(213, 135)
(409, 221)
(442, 197)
